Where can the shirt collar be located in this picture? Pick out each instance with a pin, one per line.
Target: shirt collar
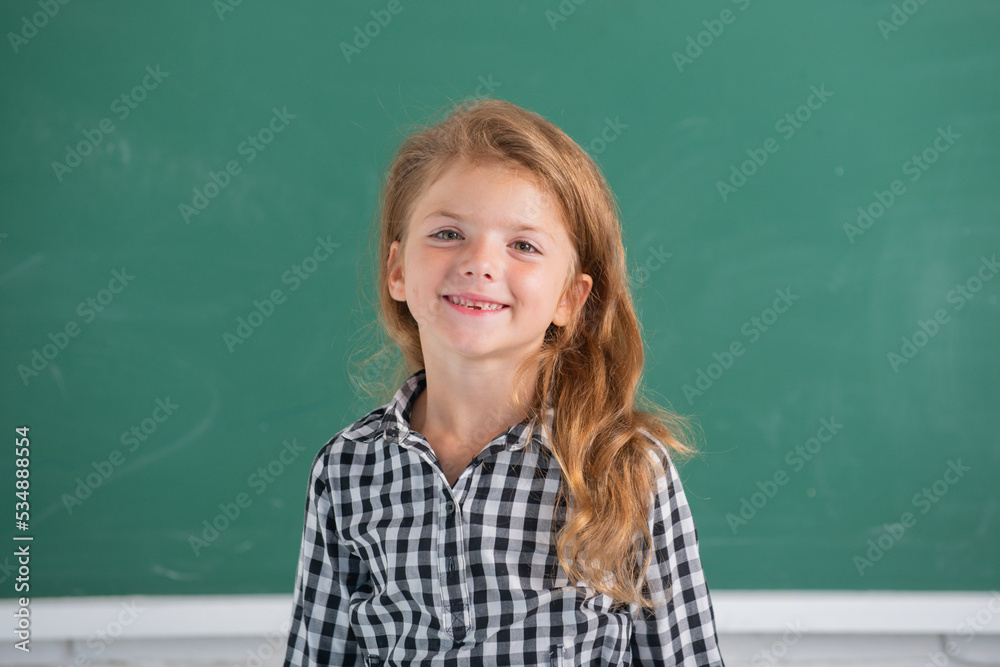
(395, 422)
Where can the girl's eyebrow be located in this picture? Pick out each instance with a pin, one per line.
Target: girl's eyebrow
(517, 226)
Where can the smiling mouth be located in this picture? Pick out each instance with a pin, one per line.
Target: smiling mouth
(472, 304)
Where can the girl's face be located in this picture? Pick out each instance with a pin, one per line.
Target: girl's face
(486, 234)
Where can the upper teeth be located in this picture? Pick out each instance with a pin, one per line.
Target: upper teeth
(469, 303)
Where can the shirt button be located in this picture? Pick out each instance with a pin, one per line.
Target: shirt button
(451, 564)
(451, 507)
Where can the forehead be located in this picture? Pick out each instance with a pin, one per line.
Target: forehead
(491, 191)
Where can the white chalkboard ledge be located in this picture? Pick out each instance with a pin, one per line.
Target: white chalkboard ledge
(863, 629)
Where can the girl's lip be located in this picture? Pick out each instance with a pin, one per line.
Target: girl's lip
(472, 311)
(475, 297)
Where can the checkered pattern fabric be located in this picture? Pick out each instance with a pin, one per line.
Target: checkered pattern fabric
(398, 567)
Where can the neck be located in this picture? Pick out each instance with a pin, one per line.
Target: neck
(468, 405)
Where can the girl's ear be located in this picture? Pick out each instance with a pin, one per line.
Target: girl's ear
(397, 284)
(573, 299)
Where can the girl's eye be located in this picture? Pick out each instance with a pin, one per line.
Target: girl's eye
(525, 243)
(533, 250)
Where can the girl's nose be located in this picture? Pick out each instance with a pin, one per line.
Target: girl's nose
(481, 257)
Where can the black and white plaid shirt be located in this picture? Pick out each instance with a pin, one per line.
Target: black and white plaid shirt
(397, 567)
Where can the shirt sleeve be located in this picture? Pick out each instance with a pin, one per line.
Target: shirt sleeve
(681, 631)
(328, 572)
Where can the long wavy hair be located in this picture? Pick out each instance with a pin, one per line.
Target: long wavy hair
(610, 442)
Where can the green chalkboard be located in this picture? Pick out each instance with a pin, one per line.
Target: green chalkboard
(808, 192)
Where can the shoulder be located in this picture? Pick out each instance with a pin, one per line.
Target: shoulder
(350, 443)
(660, 460)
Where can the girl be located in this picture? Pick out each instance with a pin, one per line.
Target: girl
(510, 504)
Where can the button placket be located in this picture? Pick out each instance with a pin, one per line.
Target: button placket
(452, 571)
